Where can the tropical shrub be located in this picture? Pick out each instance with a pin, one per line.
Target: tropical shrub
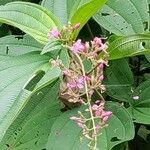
(74, 75)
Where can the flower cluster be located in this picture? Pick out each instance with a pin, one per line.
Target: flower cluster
(100, 116)
(79, 85)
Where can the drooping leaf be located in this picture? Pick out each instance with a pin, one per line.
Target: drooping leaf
(140, 108)
(15, 73)
(31, 18)
(124, 17)
(129, 46)
(120, 128)
(31, 128)
(119, 80)
(12, 45)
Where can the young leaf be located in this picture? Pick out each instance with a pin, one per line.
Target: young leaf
(140, 108)
(31, 128)
(120, 128)
(31, 18)
(124, 17)
(129, 46)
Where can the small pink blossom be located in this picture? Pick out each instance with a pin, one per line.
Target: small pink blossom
(136, 97)
(66, 72)
(105, 119)
(54, 33)
(71, 85)
(97, 43)
(77, 26)
(106, 113)
(101, 66)
(76, 83)
(101, 77)
(77, 47)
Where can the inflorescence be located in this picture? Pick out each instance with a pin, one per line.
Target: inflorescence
(79, 84)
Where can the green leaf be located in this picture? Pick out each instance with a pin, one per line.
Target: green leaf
(129, 46)
(124, 17)
(74, 11)
(120, 128)
(140, 108)
(12, 45)
(15, 74)
(2, 2)
(61, 8)
(53, 47)
(31, 18)
(31, 128)
(85, 11)
(119, 80)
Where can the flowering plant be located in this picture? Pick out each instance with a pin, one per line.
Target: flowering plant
(74, 75)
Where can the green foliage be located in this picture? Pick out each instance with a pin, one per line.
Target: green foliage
(30, 116)
(124, 17)
(12, 45)
(31, 18)
(38, 112)
(119, 80)
(129, 46)
(140, 109)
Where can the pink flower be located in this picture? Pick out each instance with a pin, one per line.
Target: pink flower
(71, 85)
(66, 72)
(80, 82)
(135, 97)
(101, 77)
(76, 26)
(54, 33)
(105, 119)
(106, 113)
(77, 47)
(101, 66)
(97, 43)
(76, 83)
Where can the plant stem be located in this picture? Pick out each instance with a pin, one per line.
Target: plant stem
(88, 102)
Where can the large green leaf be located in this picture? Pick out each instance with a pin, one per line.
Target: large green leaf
(12, 45)
(65, 134)
(129, 46)
(31, 18)
(140, 108)
(31, 128)
(119, 80)
(61, 8)
(2, 2)
(85, 11)
(74, 11)
(15, 73)
(124, 17)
